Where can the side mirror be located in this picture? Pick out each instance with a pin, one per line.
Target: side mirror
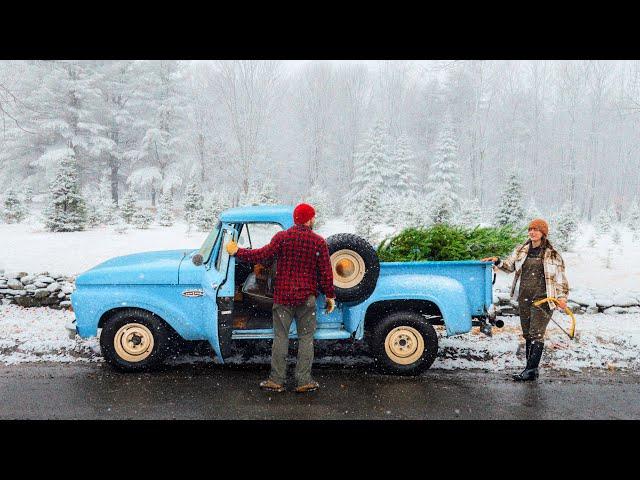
(197, 259)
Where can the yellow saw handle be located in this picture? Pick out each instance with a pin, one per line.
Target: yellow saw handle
(572, 329)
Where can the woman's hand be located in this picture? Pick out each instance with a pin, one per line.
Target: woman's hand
(489, 259)
(562, 303)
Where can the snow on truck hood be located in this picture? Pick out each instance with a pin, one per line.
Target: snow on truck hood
(147, 268)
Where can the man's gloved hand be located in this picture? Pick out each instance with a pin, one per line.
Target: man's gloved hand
(232, 247)
(330, 305)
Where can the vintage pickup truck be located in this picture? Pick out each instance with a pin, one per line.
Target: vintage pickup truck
(142, 302)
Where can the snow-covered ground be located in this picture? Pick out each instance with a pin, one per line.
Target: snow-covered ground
(603, 341)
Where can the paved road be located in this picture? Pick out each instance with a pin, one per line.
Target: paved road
(212, 391)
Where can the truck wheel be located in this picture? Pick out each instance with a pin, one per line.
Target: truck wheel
(404, 343)
(355, 267)
(135, 340)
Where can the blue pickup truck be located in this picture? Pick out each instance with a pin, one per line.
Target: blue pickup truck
(143, 302)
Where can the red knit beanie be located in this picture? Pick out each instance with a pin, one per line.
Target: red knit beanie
(303, 213)
(541, 225)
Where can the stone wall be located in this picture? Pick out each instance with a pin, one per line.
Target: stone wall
(36, 290)
(580, 301)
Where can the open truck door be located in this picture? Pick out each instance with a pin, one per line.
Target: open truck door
(218, 287)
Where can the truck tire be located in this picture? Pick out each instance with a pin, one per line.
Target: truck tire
(355, 267)
(135, 340)
(404, 343)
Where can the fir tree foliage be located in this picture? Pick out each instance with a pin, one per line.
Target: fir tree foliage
(470, 213)
(603, 221)
(405, 207)
(443, 185)
(13, 209)
(510, 209)
(142, 219)
(165, 210)
(213, 206)
(320, 200)
(566, 227)
(66, 211)
(633, 216)
(366, 203)
(128, 206)
(192, 203)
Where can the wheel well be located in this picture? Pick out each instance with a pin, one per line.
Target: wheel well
(424, 307)
(110, 313)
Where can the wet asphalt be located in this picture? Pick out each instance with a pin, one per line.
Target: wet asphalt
(214, 391)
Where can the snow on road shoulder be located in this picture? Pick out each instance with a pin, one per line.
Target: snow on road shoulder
(603, 341)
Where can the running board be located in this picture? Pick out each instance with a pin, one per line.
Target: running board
(267, 333)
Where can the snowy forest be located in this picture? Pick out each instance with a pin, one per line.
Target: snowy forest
(402, 143)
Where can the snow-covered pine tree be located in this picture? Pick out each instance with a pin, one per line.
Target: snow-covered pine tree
(156, 160)
(365, 206)
(192, 203)
(616, 236)
(603, 221)
(142, 218)
(128, 206)
(207, 217)
(267, 195)
(470, 213)
(566, 227)
(165, 209)
(13, 209)
(28, 195)
(532, 210)
(252, 197)
(321, 202)
(443, 184)
(510, 210)
(633, 218)
(66, 211)
(404, 206)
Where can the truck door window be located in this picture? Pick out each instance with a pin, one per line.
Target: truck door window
(223, 255)
(260, 234)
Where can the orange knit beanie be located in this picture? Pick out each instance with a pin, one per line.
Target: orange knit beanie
(541, 225)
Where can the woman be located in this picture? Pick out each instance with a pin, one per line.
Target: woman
(540, 269)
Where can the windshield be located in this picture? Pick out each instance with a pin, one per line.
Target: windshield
(207, 246)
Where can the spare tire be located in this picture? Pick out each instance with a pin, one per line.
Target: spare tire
(355, 267)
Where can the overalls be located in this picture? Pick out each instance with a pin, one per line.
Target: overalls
(534, 320)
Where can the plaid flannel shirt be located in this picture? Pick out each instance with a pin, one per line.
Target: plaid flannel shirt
(303, 264)
(554, 272)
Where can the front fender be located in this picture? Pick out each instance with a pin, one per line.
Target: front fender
(91, 302)
(446, 293)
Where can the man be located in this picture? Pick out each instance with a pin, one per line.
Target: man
(303, 265)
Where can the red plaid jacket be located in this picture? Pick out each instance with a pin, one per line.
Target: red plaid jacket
(302, 266)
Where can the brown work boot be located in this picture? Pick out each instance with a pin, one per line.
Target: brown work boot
(308, 387)
(271, 386)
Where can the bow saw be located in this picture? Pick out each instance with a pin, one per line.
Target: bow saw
(572, 328)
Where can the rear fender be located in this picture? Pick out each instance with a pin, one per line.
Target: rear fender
(446, 293)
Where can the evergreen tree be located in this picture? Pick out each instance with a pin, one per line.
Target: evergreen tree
(267, 195)
(128, 206)
(532, 210)
(142, 219)
(66, 211)
(252, 197)
(470, 213)
(443, 183)
(616, 236)
(510, 210)
(207, 217)
(366, 188)
(404, 208)
(14, 211)
(633, 217)
(165, 210)
(192, 203)
(28, 195)
(603, 222)
(566, 227)
(321, 202)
